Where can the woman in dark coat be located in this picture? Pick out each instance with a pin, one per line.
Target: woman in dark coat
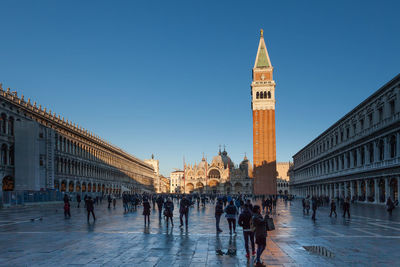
(169, 211)
(260, 233)
(146, 211)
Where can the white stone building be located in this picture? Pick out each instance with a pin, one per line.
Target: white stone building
(358, 156)
(176, 180)
(42, 152)
(282, 180)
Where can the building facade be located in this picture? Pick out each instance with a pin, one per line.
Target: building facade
(358, 156)
(282, 180)
(219, 177)
(164, 184)
(41, 151)
(263, 107)
(176, 181)
(156, 166)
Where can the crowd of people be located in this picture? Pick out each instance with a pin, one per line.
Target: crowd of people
(237, 209)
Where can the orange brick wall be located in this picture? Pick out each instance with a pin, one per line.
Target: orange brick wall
(264, 142)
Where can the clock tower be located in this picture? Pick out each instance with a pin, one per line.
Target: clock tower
(263, 107)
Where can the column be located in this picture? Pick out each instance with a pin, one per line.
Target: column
(366, 154)
(358, 189)
(345, 185)
(387, 188)
(358, 151)
(398, 185)
(376, 188)
(367, 193)
(376, 151)
(386, 155)
(351, 190)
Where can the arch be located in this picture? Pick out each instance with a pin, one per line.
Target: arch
(257, 95)
(261, 95)
(269, 94)
(8, 183)
(381, 148)
(98, 187)
(77, 187)
(214, 174)
(265, 94)
(89, 187)
(11, 155)
(228, 187)
(84, 187)
(3, 123)
(189, 187)
(393, 143)
(381, 190)
(11, 126)
(4, 153)
(56, 185)
(371, 152)
(199, 185)
(393, 189)
(213, 183)
(71, 186)
(63, 186)
(103, 188)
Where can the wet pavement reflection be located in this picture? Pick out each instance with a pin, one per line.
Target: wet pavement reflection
(369, 238)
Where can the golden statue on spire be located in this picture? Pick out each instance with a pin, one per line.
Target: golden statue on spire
(262, 33)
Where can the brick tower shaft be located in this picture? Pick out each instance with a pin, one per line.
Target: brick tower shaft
(263, 106)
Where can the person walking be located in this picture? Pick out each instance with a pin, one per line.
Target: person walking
(184, 211)
(109, 201)
(307, 204)
(346, 207)
(146, 211)
(390, 205)
(245, 221)
(333, 208)
(67, 207)
(260, 233)
(314, 206)
(114, 201)
(230, 214)
(219, 210)
(169, 211)
(160, 203)
(78, 199)
(90, 208)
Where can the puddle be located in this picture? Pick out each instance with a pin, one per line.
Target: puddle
(319, 250)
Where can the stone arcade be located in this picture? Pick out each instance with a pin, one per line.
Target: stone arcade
(41, 151)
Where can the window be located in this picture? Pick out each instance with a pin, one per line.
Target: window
(371, 152)
(362, 124)
(265, 94)
(370, 119)
(392, 146)
(336, 139)
(380, 113)
(392, 108)
(40, 135)
(354, 129)
(258, 95)
(269, 94)
(362, 156)
(381, 148)
(341, 136)
(347, 133)
(261, 95)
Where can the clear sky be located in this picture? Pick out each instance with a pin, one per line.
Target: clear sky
(173, 77)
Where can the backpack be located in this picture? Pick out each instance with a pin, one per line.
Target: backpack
(230, 209)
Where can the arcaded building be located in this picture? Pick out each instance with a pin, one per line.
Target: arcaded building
(358, 156)
(42, 152)
(218, 177)
(263, 108)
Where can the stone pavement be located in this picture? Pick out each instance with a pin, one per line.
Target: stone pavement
(369, 238)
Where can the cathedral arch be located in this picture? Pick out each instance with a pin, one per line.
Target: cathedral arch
(238, 187)
(214, 174)
(189, 187)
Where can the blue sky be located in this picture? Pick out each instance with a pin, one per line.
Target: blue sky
(173, 77)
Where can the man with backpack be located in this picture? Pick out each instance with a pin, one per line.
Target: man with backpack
(219, 210)
(260, 226)
(245, 221)
(230, 215)
(184, 210)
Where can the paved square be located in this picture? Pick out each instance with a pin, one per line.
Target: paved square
(369, 238)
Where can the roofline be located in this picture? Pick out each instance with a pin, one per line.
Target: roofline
(377, 92)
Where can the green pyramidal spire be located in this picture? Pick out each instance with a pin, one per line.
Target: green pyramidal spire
(262, 61)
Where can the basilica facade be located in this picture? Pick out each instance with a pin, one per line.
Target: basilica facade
(221, 176)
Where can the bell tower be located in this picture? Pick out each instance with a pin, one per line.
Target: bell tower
(263, 107)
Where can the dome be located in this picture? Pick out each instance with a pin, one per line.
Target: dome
(223, 158)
